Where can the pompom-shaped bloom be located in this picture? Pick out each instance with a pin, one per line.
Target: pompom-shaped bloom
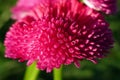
(23, 8)
(106, 6)
(64, 31)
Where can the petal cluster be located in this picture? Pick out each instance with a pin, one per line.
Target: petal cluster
(23, 8)
(106, 6)
(60, 32)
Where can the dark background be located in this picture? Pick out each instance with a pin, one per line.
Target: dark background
(106, 69)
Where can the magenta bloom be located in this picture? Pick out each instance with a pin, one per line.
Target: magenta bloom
(106, 6)
(64, 32)
(23, 8)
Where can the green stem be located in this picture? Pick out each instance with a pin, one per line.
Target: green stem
(57, 74)
(31, 72)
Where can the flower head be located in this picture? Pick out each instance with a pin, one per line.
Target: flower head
(106, 6)
(61, 32)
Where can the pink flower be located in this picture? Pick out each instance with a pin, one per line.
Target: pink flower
(23, 8)
(106, 6)
(64, 31)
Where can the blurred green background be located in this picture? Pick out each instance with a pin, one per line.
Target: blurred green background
(107, 68)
